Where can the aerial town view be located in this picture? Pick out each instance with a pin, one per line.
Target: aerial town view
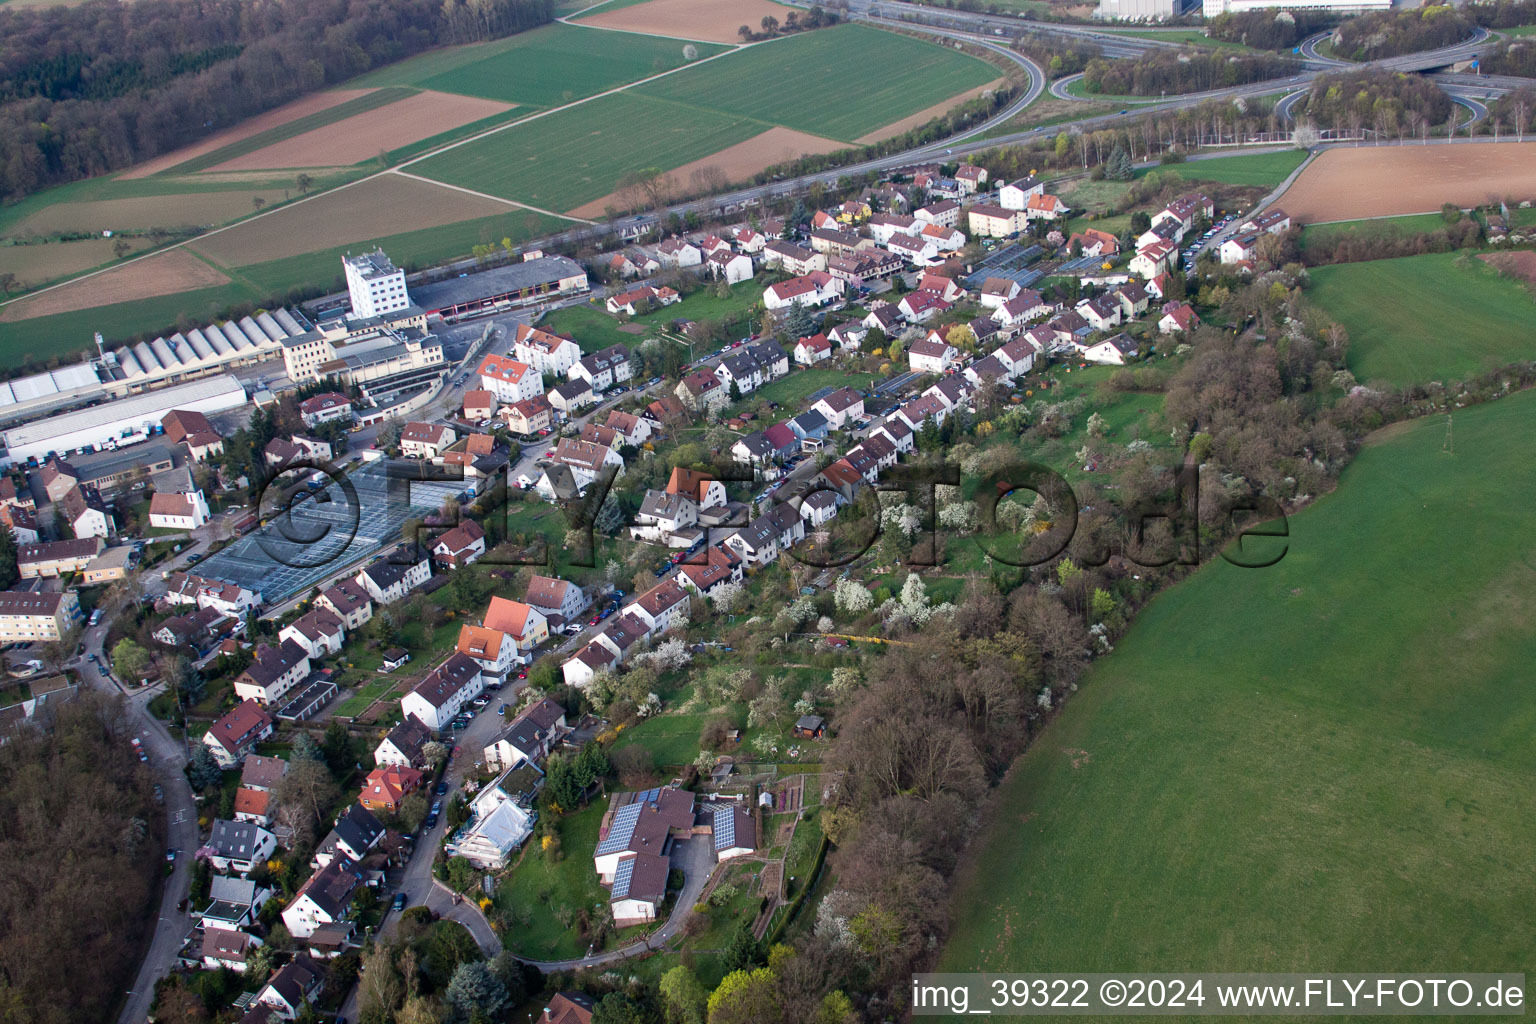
(766, 511)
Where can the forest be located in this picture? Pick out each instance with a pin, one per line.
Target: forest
(96, 88)
(1168, 71)
(1394, 33)
(1266, 29)
(81, 842)
(1389, 103)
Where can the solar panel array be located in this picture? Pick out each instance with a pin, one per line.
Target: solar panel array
(622, 828)
(621, 877)
(725, 828)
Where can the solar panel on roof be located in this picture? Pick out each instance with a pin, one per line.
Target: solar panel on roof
(725, 829)
(621, 830)
(621, 877)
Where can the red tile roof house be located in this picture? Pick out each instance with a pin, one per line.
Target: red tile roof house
(388, 785)
(324, 408)
(425, 440)
(479, 405)
(236, 734)
(460, 546)
(812, 349)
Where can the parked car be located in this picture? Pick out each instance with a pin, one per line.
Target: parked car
(399, 903)
(170, 855)
(159, 794)
(441, 788)
(502, 710)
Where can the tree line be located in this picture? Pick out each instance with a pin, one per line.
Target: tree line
(1165, 70)
(81, 841)
(1267, 29)
(1394, 33)
(92, 89)
(1380, 100)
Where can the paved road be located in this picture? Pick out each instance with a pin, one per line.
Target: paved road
(167, 756)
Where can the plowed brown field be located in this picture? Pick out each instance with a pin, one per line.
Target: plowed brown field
(386, 205)
(164, 273)
(311, 104)
(711, 21)
(363, 136)
(1389, 181)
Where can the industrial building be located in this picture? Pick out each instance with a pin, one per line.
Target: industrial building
(1215, 7)
(113, 424)
(375, 285)
(202, 351)
(1138, 10)
(518, 284)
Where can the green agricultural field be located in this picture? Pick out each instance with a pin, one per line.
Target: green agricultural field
(63, 334)
(1324, 236)
(413, 249)
(1324, 765)
(559, 63)
(1420, 318)
(801, 81)
(574, 156)
(1248, 169)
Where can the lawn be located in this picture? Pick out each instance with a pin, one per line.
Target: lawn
(792, 390)
(364, 697)
(557, 64)
(1322, 236)
(1078, 89)
(591, 326)
(1325, 765)
(1434, 317)
(574, 156)
(539, 886)
(672, 739)
(745, 298)
(1249, 169)
(801, 81)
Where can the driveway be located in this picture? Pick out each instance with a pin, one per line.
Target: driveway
(695, 858)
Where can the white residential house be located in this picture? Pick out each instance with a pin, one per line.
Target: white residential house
(553, 597)
(446, 691)
(272, 673)
(1240, 247)
(678, 253)
(662, 515)
(1021, 309)
(586, 460)
(1273, 222)
(1178, 317)
(1044, 207)
(545, 352)
(734, 267)
(318, 631)
(325, 898)
(919, 250)
(661, 607)
(426, 440)
(813, 349)
(927, 356)
(602, 370)
(814, 289)
(235, 847)
(1152, 260)
(491, 649)
(183, 511)
(840, 407)
(793, 259)
(749, 241)
(945, 212)
(883, 226)
(1015, 194)
(292, 987)
(1018, 356)
(1113, 351)
(509, 380)
(498, 825)
(390, 579)
(995, 291)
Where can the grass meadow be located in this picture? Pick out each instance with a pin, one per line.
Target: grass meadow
(571, 157)
(793, 81)
(1322, 765)
(1434, 317)
(1322, 236)
(1248, 169)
